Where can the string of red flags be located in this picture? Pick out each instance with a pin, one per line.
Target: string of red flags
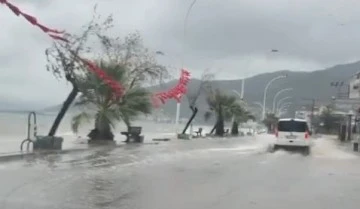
(57, 35)
(174, 93)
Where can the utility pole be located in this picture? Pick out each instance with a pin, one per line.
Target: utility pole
(312, 114)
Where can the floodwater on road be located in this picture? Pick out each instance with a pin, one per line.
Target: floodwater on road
(205, 173)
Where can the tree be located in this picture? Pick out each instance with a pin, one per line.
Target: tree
(193, 95)
(270, 121)
(328, 119)
(129, 54)
(240, 115)
(204, 87)
(63, 62)
(98, 97)
(224, 107)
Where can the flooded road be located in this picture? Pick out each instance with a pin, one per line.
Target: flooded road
(230, 173)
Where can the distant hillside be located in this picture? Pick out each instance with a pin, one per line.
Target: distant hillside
(307, 85)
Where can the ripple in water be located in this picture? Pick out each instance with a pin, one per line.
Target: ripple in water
(327, 147)
(324, 147)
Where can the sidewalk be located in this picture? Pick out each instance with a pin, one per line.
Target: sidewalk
(10, 149)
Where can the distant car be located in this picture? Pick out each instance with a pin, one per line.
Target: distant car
(293, 134)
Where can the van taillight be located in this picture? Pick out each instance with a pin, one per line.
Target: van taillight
(306, 135)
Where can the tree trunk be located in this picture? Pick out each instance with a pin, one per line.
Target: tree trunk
(65, 107)
(219, 131)
(102, 130)
(213, 129)
(235, 129)
(96, 134)
(194, 112)
(128, 125)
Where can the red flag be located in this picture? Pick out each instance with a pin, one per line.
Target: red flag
(58, 38)
(13, 8)
(116, 87)
(49, 30)
(30, 18)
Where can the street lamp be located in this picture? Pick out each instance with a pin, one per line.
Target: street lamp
(283, 107)
(259, 104)
(265, 92)
(237, 93)
(286, 104)
(177, 118)
(277, 94)
(282, 100)
(244, 78)
(282, 112)
(242, 88)
(242, 102)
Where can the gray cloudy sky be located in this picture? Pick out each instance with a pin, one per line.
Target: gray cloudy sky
(232, 38)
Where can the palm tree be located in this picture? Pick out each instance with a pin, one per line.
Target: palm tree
(240, 115)
(97, 103)
(225, 107)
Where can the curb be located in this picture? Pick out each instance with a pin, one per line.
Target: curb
(20, 156)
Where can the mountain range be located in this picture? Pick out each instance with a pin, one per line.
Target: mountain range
(306, 86)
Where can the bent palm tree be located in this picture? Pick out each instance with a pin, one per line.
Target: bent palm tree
(96, 100)
(222, 106)
(240, 115)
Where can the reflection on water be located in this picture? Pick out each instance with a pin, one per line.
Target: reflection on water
(177, 175)
(137, 154)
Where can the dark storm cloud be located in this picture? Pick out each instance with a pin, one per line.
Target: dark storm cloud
(229, 36)
(318, 31)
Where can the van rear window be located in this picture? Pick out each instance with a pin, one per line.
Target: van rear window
(292, 126)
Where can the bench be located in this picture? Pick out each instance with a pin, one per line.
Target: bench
(133, 134)
(199, 132)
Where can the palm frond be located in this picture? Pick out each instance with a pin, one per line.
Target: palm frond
(78, 120)
(136, 101)
(208, 115)
(95, 93)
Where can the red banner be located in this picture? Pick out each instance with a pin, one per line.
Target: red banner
(174, 93)
(58, 35)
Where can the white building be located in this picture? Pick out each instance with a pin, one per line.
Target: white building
(354, 86)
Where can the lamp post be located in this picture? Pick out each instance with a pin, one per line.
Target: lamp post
(242, 88)
(178, 104)
(282, 100)
(276, 96)
(259, 104)
(349, 128)
(242, 102)
(285, 105)
(237, 93)
(265, 92)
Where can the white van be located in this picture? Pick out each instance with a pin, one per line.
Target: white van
(292, 133)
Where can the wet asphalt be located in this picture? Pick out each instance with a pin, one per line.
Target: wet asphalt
(205, 173)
